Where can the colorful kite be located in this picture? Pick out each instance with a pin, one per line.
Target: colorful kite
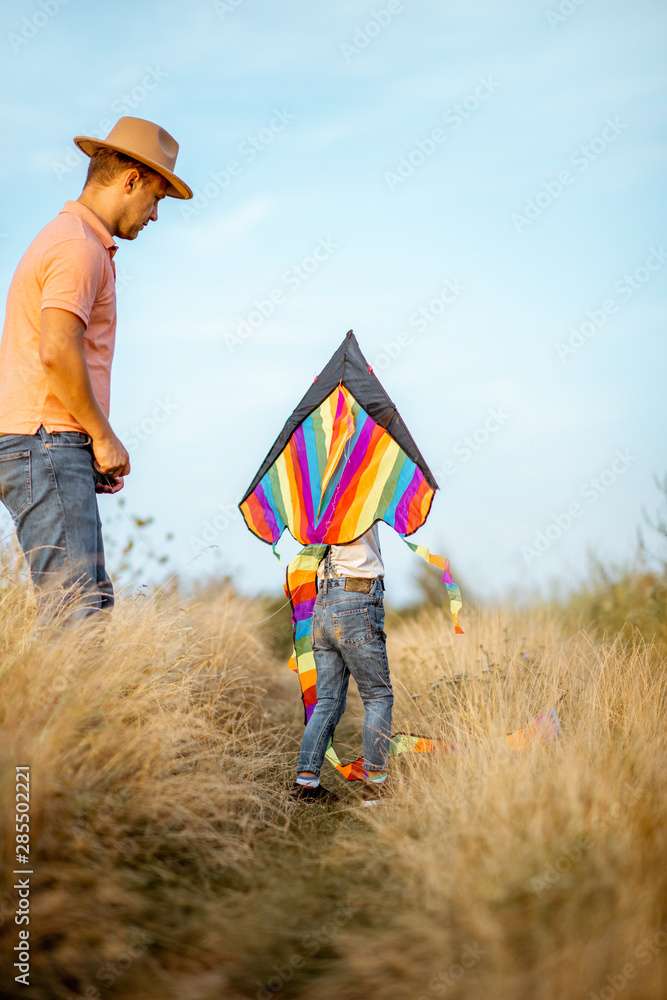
(343, 461)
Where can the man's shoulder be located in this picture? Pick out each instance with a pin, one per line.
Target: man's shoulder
(63, 228)
(65, 237)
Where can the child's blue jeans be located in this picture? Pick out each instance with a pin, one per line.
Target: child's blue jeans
(348, 638)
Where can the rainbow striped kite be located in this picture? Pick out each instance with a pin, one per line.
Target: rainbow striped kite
(343, 461)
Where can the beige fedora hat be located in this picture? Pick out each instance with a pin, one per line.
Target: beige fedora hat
(144, 141)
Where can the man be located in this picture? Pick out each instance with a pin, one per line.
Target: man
(57, 447)
(348, 638)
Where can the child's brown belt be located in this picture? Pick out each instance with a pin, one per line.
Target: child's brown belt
(360, 584)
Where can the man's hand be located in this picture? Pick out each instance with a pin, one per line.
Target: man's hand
(111, 457)
(113, 486)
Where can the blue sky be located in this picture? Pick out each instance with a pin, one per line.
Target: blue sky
(485, 183)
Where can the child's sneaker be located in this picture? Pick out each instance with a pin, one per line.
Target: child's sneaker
(303, 793)
(373, 793)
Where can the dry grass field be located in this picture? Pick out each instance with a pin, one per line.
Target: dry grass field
(167, 862)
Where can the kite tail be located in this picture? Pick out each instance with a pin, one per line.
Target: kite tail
(409, 743)
(301, 589)
(542, 729)
(399, 743)
(546, 727)
(453, 591)
(354, 771)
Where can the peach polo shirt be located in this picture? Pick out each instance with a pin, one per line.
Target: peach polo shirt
(69, 265)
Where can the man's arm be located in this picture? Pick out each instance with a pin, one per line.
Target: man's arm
(63, 360)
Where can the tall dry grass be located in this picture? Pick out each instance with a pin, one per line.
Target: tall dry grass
(151, 776)
(169, 864)
(548, 867)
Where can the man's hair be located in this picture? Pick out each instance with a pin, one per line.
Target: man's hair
(106, 165)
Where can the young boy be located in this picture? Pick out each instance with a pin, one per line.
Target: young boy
(349, 639)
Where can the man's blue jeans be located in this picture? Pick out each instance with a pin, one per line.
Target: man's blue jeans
(47, 483)
(348, 638)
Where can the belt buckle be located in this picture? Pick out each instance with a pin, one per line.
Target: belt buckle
(358, 584)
